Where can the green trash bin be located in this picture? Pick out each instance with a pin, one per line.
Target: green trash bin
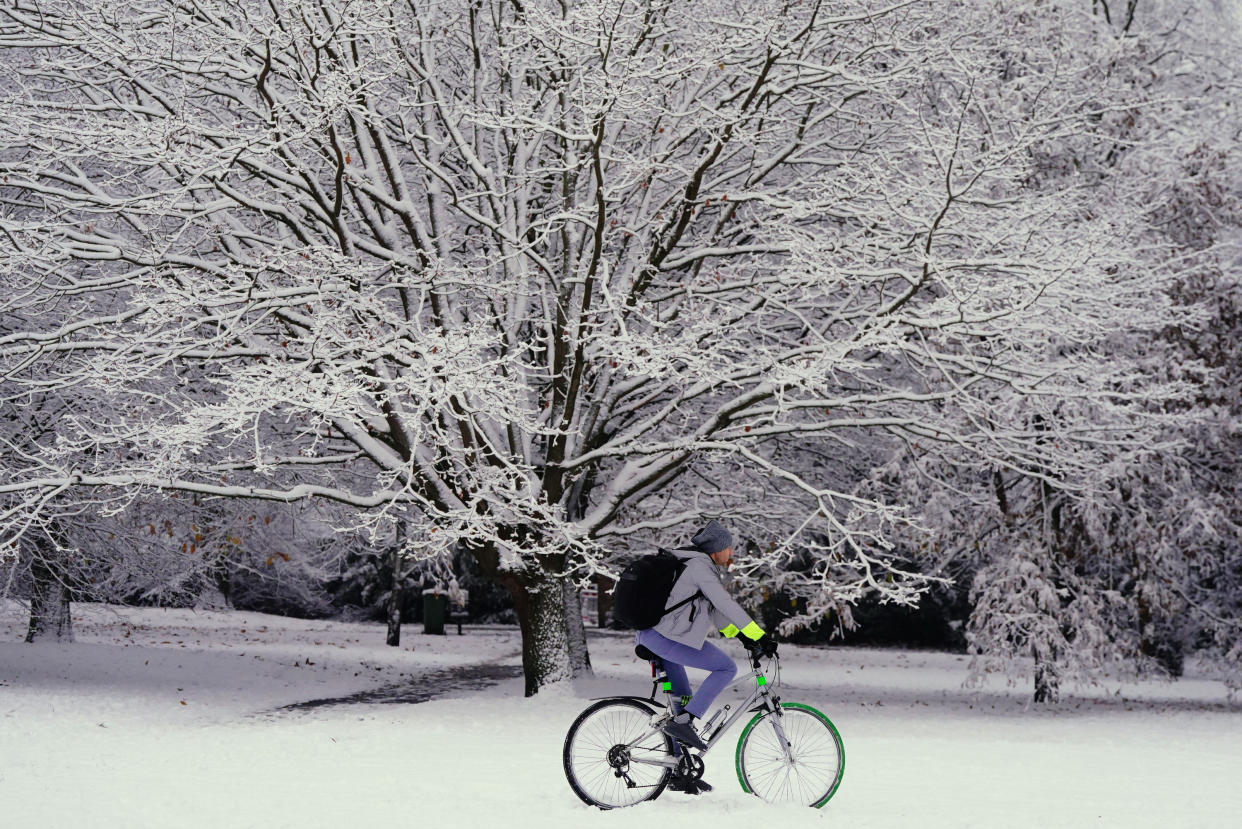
(435, 609)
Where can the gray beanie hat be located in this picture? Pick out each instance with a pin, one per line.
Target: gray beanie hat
(713, 538)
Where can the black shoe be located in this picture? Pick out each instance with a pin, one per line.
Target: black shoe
(684, 733)
(688, 785)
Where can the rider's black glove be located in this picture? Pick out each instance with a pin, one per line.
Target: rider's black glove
(767, 645)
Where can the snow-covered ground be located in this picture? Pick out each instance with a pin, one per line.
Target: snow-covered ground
(175, 718)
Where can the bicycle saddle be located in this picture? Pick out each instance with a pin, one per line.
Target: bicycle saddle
(642, 653)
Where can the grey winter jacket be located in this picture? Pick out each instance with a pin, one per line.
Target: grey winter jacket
(714, 610)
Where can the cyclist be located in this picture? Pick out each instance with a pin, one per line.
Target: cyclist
(680, 637)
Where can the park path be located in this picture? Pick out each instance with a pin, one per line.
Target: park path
(429, 686)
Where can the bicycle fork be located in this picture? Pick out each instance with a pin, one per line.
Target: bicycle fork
(779, 728)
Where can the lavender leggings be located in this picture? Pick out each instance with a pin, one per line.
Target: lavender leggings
(677, 657)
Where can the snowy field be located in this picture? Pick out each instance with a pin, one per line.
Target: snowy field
(172, 718)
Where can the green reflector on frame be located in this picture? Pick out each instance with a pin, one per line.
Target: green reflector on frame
(761, 680)
(668, 686)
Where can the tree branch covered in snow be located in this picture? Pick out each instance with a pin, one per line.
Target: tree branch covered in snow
(519, 273)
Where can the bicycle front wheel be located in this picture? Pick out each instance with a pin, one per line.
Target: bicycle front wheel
(808, 774)
(613, 757)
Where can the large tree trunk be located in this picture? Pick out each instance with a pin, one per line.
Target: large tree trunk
(540, 606)
(541, 603)
(49, 597)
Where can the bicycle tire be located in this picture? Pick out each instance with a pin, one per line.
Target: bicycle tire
(595, 732)
(814, 741)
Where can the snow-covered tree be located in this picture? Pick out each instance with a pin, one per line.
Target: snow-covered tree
(1131, 560)
(545, 278)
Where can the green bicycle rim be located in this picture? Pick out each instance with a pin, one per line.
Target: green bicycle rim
(737, 755)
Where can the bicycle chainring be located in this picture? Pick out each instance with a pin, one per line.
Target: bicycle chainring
(690, 766)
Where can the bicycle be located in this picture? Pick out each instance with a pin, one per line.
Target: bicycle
(616, 755)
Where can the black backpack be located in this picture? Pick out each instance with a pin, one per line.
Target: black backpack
(642, 591)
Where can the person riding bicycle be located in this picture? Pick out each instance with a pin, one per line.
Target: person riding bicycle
(680, 637)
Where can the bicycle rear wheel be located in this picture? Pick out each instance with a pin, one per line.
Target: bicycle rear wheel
(811, 773)
(602, 766)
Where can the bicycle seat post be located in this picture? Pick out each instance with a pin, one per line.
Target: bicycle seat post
(659, 676)
(660, 680)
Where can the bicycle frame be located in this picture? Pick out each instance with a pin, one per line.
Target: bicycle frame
(762, 694)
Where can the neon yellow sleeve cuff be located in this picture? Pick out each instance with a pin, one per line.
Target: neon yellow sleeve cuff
(730, 631)
(752, 631)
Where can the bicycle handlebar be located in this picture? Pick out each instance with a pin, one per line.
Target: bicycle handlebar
(757, 657)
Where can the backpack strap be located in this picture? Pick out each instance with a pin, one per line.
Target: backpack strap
(697, 594)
